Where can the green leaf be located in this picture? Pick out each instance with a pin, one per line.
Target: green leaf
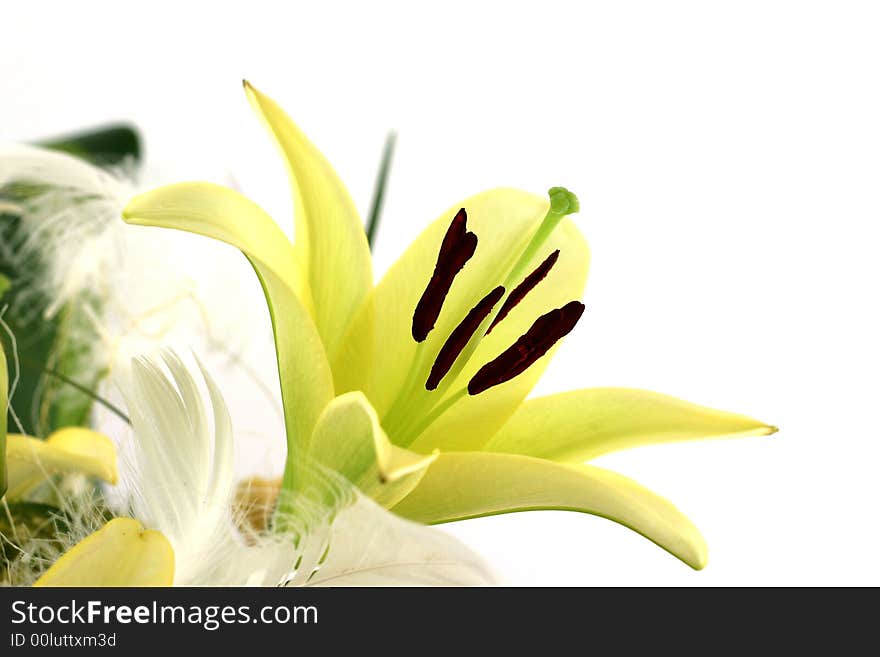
(107, 146)
(379, 188)
(4, 394)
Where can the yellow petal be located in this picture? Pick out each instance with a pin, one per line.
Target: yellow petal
(461, 485)
(583, 424)
(380, 350)
(220, 213)
(121, 553)
(70, 450)
(349, 439)
(470, 422)
(330, 237)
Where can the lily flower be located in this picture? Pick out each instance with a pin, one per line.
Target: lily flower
(177, 526)
(416, 388)
(171, 506)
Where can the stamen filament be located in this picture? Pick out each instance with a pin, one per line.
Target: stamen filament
(404, 396)
(522, 290)
(410, 434)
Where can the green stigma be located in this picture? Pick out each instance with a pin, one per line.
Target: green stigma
(562, 204)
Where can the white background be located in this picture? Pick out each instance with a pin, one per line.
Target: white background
(727, 157)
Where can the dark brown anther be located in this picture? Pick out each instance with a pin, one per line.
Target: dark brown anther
(459, 338)
(457, 248)
(536, 342)
(520, 291)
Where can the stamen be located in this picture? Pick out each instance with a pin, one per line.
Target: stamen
(520, 291)
(459, 338)
(457, 248)
(536, 342)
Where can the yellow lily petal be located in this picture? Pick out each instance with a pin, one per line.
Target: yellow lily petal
(330, 237)
(583, 424)
(468, 424)
(379, 350)
(71, 450)
(349, 439)
(220, 213)
(121, 553)
(461, 485)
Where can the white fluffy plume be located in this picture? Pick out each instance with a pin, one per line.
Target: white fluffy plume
(152, 287)
(67, 220)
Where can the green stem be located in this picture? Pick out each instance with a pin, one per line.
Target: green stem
(110, 406)
(379, 188)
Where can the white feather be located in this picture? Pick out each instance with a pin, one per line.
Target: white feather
(369, 546)
(152, 286)
(180, 481)
(20, 162)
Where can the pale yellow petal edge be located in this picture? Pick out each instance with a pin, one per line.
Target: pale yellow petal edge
(121, 553)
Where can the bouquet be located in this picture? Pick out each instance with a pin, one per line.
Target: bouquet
(405, 402)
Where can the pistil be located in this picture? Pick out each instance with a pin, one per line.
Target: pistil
(562, 204)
